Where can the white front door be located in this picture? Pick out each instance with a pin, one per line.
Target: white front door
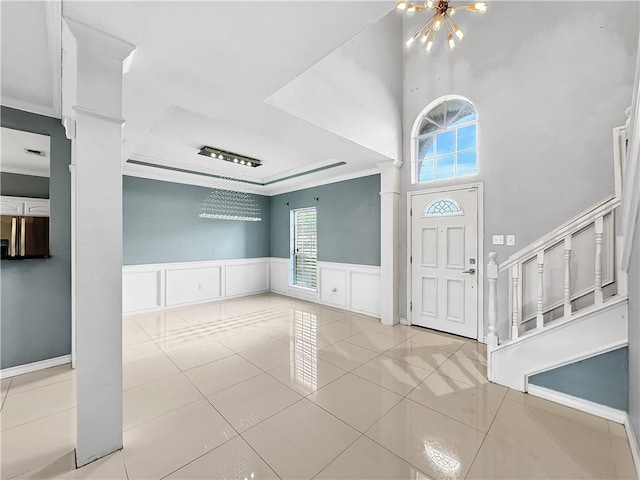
(444, 261)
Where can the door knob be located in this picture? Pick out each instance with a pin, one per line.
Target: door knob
(471, 271)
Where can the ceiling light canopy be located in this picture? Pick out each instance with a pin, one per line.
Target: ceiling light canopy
(229, 157)
(442, 16)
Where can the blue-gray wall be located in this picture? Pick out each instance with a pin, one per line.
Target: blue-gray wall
(348, 220)
(15, 185)
(602, 379)
(35, 315)
(634, 332)
(161, 224)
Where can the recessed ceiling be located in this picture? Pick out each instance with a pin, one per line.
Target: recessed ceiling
(20, 153)
(203, 72)
(30, 64)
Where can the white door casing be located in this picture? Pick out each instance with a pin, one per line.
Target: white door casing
(444, 260)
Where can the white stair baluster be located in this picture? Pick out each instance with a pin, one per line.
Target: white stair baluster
(598, 296)
(540, 302)
(515, 317)
(492, 276)
(567, 276)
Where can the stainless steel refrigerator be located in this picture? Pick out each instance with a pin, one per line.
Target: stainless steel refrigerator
(24, 237)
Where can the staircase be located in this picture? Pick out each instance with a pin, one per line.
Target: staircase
(565, 295)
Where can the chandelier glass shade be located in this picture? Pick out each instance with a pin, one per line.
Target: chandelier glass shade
(441, 17)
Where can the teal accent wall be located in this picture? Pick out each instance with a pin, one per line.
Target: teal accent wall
(15, 185)
(36, 294)
(348, 220)
(161, 225)
(602, 379)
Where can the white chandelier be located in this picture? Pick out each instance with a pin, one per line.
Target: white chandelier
(442, 15)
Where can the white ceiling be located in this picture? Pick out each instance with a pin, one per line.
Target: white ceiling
(201, 75)
(14, 158)
(30, 68)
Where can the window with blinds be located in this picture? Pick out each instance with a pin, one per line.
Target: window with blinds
(304, 248)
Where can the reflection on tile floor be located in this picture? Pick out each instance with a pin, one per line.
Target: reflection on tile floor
(270, 387)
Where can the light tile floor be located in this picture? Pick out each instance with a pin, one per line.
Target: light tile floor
(271, 387)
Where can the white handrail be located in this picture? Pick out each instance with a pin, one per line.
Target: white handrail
(558, 235)
(562, 235)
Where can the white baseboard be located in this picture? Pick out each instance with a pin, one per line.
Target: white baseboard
(34, 367)
(581, 404)
(404, 321)
(633, 444)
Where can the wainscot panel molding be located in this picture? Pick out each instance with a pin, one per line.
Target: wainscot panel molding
(343, 285)
(163, 285)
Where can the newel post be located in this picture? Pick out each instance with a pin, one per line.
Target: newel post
(492, 276)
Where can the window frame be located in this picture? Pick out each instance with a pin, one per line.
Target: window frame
(415, 137)
(293, 272)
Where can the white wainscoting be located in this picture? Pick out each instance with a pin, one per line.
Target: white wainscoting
(156, 286)
(343, 285)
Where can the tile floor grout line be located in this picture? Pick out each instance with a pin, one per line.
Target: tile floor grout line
(425, 379)
(392, 453)
(2, 432)
(252, 447)
(449, 416)
(456, 355)
(475, 457)
(518, 447)
(406, 397)
(314, 391)
(204, 397)
(337, 456)
(41, 386)
(498, 411)
(207, 363)
(200, 456)
(387, 388)
(162, 415)
(124, 465)
(37, 418)
(238, 433)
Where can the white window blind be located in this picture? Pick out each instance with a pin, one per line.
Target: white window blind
(305, 248)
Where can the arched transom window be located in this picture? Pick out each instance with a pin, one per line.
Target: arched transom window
(442, 207)
(446, 141)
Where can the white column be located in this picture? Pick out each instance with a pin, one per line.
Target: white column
(92, 110)
(389, 258)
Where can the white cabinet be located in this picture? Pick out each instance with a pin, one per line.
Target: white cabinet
(11, 206)
(30, 207)
(36, 207)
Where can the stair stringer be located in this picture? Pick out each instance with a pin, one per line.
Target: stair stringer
(587, 333)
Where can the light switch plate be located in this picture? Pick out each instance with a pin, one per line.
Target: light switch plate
(498, 240)
(511, 240)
